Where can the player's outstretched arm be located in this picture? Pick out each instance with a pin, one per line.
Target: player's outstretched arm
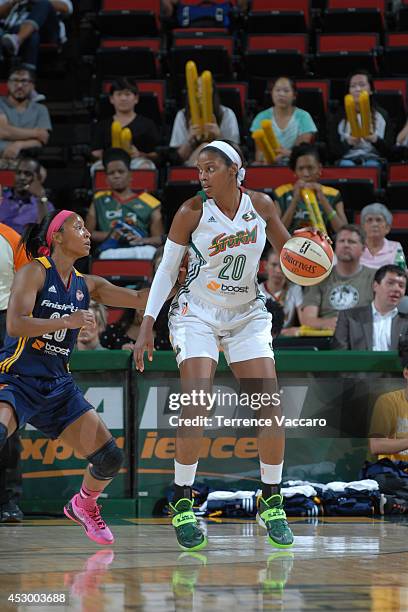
(107, 293)
(28, 281)
(276, 232)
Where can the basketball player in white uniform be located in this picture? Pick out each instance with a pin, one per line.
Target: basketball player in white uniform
(224, 230)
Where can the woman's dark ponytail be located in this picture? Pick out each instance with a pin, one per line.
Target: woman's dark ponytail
(34, 236)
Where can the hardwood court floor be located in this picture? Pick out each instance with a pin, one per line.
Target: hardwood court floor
(336, 564)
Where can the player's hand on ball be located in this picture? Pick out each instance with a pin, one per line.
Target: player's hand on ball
(80, 318)
(315, 232)
(145, 342)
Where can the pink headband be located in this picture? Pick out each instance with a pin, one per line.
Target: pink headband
(55, 225)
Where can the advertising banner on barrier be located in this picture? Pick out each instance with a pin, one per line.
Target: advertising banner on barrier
(325, 420)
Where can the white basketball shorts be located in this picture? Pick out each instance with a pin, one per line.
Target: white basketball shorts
(200, 329)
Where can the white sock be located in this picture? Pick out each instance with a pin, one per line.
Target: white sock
(184, 474)
(271, 474)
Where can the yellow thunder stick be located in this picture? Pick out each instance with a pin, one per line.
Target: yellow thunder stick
(365, 113)
(266, 125)
(313, 209)
(126, 140)
(116, 131)
(192, 90)
(264, 145)
(207, 97)
(351, 114)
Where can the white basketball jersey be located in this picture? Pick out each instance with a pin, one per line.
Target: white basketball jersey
(224, 255)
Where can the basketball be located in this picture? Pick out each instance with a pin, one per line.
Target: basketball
(306, 258)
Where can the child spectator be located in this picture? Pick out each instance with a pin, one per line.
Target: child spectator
(367, 151)
(291, 124)
(124, 96)
(305, 162)
(125, 224)
(187, 138)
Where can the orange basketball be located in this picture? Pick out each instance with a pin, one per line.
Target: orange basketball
(306, 258)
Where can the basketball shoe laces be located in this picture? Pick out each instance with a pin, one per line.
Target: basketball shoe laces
(95, 515)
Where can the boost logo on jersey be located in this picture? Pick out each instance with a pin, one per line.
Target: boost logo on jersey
(214, 286)
(52, 349)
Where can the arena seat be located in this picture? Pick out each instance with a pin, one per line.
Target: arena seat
(129, 18)
(354, 16)
(267, 178)
(402, 20)
(339, 54)
(181, 184)
(123, 270)
(395, 53)
(391, 94)
(137, 57)
(265, 55)
(397, 186)
(235, 96)
(358, 186)
(313, 96)
(212, 52)
(269, 16)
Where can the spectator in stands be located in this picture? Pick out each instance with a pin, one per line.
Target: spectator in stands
(123, 334)
(389, 421)
(377, 326)
(353, 151)
(89, 337)
(402, 138)
(24, 124)
(125, 224)
(124, 96)
(287, 294)
(291, 124)
(27, 201)
(188, 139)
(348, 285)
(305, 162)
(26, 24)
(376, 221)
(12, 257)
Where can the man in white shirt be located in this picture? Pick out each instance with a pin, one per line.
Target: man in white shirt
(379, 325)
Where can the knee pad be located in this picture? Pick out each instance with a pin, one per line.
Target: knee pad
(3, 435)
(106, 462)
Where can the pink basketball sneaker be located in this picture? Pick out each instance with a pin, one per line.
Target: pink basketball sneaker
(95, 527)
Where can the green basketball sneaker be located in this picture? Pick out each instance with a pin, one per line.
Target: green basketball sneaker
(272, 516)
(189, 535)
